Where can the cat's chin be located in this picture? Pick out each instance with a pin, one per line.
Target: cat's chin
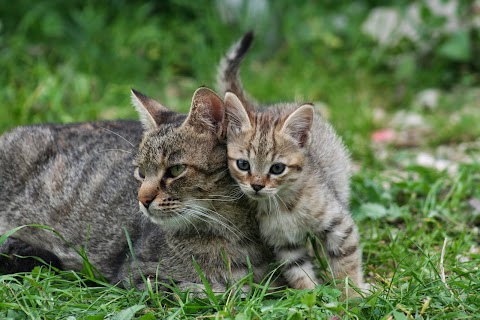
(167, 219)
(257, 196)
(173, 223)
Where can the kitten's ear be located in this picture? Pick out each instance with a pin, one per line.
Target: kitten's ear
(207, 111)
(149, 110)
(299, 123)
(237, 116)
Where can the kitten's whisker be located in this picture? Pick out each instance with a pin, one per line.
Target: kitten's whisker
(284, 205)
(277, 206)
(118, 135)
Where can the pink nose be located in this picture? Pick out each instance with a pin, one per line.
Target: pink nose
(146, 200)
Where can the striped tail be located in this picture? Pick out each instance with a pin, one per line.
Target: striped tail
(228, 77)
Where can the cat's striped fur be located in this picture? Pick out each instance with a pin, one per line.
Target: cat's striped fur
(77, 179)
(290, 162)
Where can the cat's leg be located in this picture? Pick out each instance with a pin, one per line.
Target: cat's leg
(297, 267)
(342, 247)
(18, 256)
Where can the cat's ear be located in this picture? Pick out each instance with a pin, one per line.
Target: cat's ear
(149, 110)
(298, 124)
(237, 116)
(207, 111)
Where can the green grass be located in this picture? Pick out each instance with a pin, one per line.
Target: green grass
(76, 61)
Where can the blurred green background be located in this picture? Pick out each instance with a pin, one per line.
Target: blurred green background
(399, 81)
(361, 61)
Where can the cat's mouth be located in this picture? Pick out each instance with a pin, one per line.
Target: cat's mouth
(162, 215)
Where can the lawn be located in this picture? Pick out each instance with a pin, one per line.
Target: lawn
(409, 112)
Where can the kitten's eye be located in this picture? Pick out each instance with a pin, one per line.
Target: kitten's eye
(177, 170)
(139, 174)
(243, 165)
(277, 168)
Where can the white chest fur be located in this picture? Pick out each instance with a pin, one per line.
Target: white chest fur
(281, 227)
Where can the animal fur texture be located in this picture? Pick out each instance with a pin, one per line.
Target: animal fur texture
(82, 181)
(291, 164)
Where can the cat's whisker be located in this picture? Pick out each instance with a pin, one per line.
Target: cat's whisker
(223, 171)
(237, 191)
(218, 219)
(279, 198)
(122, 150)
(204, 217)
(117, 134)
(179, 213)
(219, 198)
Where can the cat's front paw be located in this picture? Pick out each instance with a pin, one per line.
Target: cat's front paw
(198, 290)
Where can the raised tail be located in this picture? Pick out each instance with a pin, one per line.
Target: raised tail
(228, 77)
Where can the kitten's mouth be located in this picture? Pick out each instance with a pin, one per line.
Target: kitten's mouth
(257, 196)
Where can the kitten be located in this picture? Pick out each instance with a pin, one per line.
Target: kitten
(293, 166)
(78, 180)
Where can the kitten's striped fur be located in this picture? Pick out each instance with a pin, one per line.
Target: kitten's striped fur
(310, 194)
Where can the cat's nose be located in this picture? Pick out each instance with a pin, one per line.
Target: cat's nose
(146, 200)
(257, 187)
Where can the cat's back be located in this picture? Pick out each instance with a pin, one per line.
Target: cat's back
(67, 177)
(27, 151)
(330, 158)
(25, 144)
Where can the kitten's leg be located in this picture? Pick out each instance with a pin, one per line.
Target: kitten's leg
(13, 250)
(296, 266)
(342, 248)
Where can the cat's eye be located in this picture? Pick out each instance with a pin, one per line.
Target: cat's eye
(175, 171)
(243, 165)
(139, 174)
(277, 168)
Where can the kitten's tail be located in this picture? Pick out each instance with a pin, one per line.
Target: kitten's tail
(228, 77)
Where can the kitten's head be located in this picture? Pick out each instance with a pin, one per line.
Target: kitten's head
(181, 160)
(266, 150)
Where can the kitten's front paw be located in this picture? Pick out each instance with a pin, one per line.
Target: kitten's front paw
(304, 283)
(360, 290)
(365, 288)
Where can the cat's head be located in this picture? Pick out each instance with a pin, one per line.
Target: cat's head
(181, 160)
(266, 150)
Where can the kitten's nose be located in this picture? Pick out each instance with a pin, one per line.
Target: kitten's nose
(257, 187)
(146, 200)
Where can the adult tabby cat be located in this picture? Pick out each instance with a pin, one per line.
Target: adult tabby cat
(292, 165)
(78, 180)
